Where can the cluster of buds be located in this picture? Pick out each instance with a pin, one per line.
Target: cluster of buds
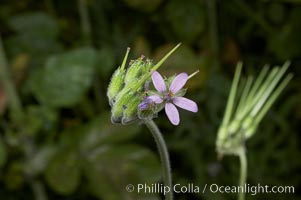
(241, 122)
(131, 98)
(124, 94)
(127, 87)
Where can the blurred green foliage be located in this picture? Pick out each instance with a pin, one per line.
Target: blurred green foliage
(64, 144)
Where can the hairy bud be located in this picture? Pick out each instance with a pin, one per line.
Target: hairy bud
(126, 89)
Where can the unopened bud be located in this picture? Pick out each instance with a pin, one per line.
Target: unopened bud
(117, 80)
(115, 85)
(136, 70)
(122, 101)
(130, 111)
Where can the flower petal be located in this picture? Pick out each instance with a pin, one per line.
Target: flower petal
(143, 105)
(185, 103)
(155, 98)
(178, 82)
(172, 113)
(158, 82)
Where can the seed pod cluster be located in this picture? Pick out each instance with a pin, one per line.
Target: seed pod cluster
(127, 88)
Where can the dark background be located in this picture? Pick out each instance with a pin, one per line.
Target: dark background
(59, 141)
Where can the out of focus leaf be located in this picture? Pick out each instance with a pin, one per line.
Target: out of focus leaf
(3, 100)
(65, 78)
(36, 34)
(141, 46)
(183, 60)
(38, 163)
(38, 24)
(19, 67)
(276, 12)
(40, 118)
(186, 26)
(63, 172)
(13, 177)
(287, 36)
(101, 131)
(143, 5)
(2, 153)
(105, 61)
(110, 168)
(98, 132)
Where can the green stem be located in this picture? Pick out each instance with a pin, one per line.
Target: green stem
(243, 172)
(17, 115)
(85, 22)
(38, 190)
(14, 103)
(255, 16)
(167, 177)
(213, 33)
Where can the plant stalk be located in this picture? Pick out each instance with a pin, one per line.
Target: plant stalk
(164, 156)
(17, 115)
(213, 33)
(38, 190)
(243, 172)
(14, 102)
(85, 21)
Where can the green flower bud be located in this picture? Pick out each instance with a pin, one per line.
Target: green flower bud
(117, 80)
(130, 111)
(126, 88)
(122, 101)
(137, 69)
(115, 85)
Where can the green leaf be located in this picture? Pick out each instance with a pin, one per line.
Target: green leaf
(186, 26)
(145, 5)
(65, 78)
(110, 168)
(101, 131)
(36, 35)
(39, 161)
(39, 24)
(63, 172)
(40, 118)
(105, 61)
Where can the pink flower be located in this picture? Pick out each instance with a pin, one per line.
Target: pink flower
(169, 96)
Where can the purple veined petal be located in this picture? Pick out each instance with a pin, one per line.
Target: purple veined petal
(172, 113)
(155, 98)
(185, 103)
(158, 82)
(178, 82)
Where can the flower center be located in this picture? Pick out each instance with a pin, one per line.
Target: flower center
(168, 96)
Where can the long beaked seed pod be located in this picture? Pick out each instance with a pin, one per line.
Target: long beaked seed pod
(241, 121)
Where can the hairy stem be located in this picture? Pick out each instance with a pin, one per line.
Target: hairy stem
(167, 177)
